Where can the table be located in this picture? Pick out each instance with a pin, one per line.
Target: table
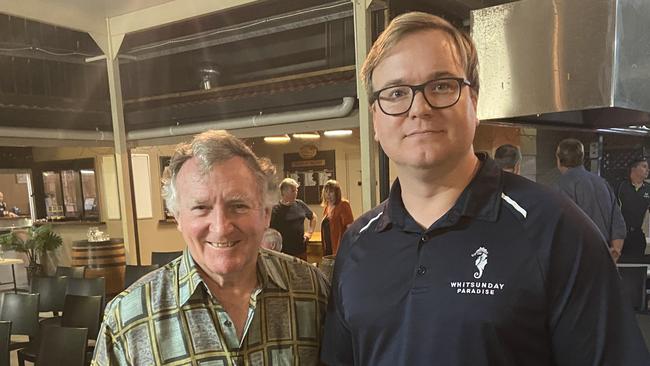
(11, 261)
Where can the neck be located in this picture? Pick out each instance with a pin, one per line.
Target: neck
(429, 193)
(636, 180)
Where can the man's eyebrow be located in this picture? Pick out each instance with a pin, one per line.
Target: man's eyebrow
(431, 76)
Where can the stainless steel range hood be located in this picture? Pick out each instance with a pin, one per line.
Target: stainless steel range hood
(582, 63)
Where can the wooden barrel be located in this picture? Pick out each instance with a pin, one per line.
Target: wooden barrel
(102, 259)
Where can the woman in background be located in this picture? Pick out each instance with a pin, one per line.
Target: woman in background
(337, 216)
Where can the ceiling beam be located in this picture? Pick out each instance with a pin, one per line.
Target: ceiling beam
(55, 13)
(171, 12)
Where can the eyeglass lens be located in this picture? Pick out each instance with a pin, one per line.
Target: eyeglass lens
(439, 93)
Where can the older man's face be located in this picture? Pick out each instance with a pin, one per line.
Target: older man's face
(221, 217)
(424, 137)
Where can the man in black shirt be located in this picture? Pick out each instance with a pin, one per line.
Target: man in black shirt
(288, 217)
(634, 197)
(465, 264)
(508, 158)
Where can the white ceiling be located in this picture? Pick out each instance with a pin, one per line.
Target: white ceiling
(124, 16)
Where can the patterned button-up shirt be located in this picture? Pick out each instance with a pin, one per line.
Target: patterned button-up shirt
(169, 317)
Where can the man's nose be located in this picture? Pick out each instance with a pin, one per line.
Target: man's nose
(420, 105)
(220, 221)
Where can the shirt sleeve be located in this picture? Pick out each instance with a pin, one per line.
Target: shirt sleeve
(336, 349)
(619, 230)
(589, 320)
(107, 351)
(346, 214)
(308, 212)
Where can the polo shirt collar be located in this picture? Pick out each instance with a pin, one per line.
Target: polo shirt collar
(268, 274)
(481, 199)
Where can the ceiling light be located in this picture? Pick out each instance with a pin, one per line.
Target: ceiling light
(338, 133)
(282, 139)
(307, 136)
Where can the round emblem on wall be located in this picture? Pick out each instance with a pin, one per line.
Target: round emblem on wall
(308, 151)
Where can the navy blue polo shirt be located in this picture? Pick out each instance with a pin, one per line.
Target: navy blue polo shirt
(512, 274)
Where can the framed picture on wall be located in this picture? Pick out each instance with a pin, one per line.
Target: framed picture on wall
(310, 172)
(164, 163)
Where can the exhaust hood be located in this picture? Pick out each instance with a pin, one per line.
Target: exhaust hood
(581, 63)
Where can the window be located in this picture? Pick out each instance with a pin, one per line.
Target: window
(68, 190)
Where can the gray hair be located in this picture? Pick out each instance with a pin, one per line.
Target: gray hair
(213, 147)
(274, 238)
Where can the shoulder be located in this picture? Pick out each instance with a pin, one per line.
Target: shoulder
(160, 281)
(537, 200)
(366, 223)
(295, 273)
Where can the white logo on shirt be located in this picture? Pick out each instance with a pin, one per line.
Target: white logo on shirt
(481, 255)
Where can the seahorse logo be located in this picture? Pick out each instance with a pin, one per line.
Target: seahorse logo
(481, 255)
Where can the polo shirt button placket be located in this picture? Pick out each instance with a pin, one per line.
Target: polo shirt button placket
(421, 270)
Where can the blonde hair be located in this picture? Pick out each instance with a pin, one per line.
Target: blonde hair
(412, 22)
(331, 186)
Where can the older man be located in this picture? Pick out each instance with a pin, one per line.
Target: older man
(224, 301)
(288, 217)
(464, 264)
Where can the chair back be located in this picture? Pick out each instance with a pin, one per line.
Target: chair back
(51, 291)
(5, 339)
(162, 258)
(63, 346)
(22, 311)
(134, 273)
(83, 312)
(87, 287)
(74, 272)
(633, 281)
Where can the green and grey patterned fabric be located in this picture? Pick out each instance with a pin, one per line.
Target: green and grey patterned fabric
(169, 318)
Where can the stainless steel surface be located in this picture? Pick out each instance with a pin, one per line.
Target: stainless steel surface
(570, 62)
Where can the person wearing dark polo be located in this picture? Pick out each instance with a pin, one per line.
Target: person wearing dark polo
(465, 264)
(288, 217)
(634, 197)
(591, 193)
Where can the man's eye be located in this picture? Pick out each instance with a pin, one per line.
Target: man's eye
(395, 93)
(199, 208)
(240, 208)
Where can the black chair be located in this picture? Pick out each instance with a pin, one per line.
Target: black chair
(78, 312)
(63, 346)
(134, 273)
(633, 281)
(22, 311)
(51, 291)
(5, 339)
(162, 258)
(74, 272)
(87, 287)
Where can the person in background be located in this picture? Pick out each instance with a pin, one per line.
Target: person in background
(272, 240)
(508, 158)
(225, 301)
(4, 212)
(634, 196)
(288, 217)
(337, 216)
(464, 264)
(591, 193)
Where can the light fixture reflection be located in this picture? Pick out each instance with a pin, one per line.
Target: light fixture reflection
(306, 136)
(338, 133)
(282, 139)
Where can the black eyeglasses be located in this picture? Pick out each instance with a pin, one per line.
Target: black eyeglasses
(439, 94)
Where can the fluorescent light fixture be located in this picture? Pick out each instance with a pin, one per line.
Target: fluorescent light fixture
(338, 133)
(282, 139)
(307, 136)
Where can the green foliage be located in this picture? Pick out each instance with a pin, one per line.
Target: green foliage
(35, 242)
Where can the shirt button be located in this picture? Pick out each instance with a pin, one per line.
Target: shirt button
(421, 270)
(227, 323)
(423, 238)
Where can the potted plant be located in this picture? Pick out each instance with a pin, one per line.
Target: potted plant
(35, 242)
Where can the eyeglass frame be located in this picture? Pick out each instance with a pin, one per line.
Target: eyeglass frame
(420, 87)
